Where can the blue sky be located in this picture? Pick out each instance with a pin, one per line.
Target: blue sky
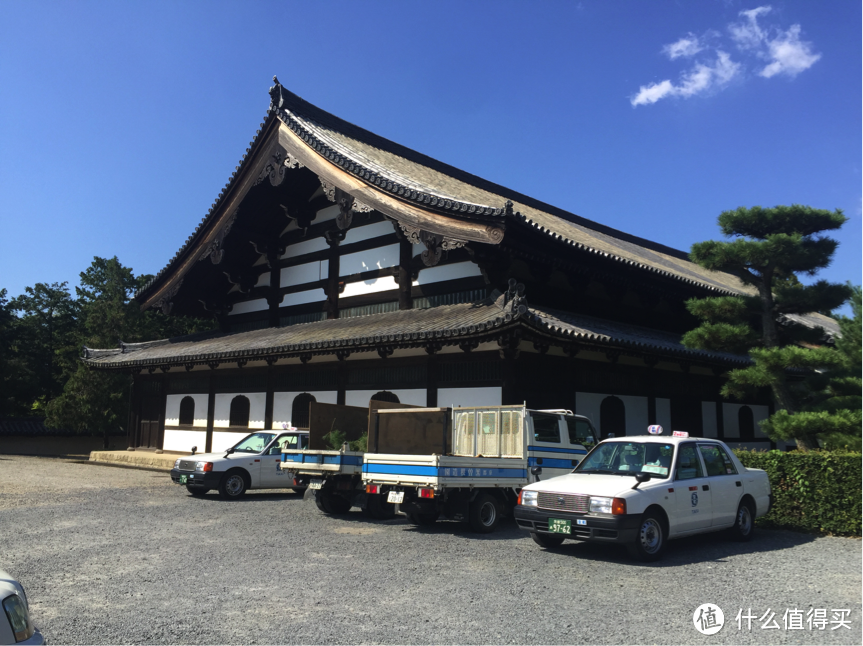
(120, 122)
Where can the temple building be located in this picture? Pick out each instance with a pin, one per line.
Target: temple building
(342, 267)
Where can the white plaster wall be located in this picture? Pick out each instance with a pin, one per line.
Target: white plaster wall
(588, 404)
(283, 404)
(300, 298)
(310, 272)
(224, 440)
(453, 397)
(263, 280)
(376, 230)
(729, 419)
(708, 419)
(172, 410)
(176, 440)
(374, 285)
(222, 412)
(306, 246)
(663, 414)
(255, 305)
(377, 258)
(447, 272)
(414, 396)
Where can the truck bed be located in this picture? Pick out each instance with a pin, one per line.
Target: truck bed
(444, 471)
(322, 462)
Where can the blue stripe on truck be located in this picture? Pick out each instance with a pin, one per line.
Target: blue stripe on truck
(443, 472)
(327, 459)
(556, 450)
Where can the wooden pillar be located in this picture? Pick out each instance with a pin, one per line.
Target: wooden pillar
(134, 430)
(720, 413)
(508, 344)
(405, 278)
(163, 405)
(333, 239)
(270, 397)
(211, 407)
(274, 299)
(342, 375)
(432, 375)
(651, 390)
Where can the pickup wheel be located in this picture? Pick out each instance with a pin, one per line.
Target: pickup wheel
(547, 541)
(650, 540)
(425, 519)
(484, 514)
(744, 522)
(196, 491)
(378, 508)
(233, 485)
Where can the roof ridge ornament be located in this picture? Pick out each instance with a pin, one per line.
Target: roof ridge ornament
(276, 100)
(514, 300)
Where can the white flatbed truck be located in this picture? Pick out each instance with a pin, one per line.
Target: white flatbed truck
(468, 463)
(335, 475)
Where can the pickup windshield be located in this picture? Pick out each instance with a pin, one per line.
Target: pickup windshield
(254, 443)
(628, 458)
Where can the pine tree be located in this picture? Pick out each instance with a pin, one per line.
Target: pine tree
(769, 250)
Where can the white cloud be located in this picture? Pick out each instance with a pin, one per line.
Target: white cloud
(784, 52)
(700, 78)
(789, 55)
(686, 46)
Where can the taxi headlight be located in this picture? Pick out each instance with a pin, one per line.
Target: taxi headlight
(600, 505)
(177, 464)
(204, 466)
(528, 498)
(19, 618)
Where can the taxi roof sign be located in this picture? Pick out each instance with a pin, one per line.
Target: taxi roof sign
(680, 434)
(654, 429)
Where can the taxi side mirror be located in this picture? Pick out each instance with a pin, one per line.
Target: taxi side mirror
(640, 478)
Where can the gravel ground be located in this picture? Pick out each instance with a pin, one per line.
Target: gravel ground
(121, 556)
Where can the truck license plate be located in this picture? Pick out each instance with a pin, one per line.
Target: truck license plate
(316, 484)
(397, 497)
(183, 479)
(559, 526)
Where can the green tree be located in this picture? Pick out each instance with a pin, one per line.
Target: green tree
(46, 341)
(769, 249)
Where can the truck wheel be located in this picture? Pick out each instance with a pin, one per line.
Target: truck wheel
(378, 508)
(232, 486)
(330, 504)
(650, 539)
(425, 519)
(196, 491)
(744, 522)
(484, 514)
(547, 541)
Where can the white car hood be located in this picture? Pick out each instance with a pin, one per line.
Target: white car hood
(216, 458)
(592, 484)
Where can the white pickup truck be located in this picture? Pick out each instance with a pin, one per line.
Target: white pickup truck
(253, 463)
(641, 491)
(469, 467)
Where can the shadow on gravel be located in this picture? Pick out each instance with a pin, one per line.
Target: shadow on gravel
(702, 548)
(248, 497)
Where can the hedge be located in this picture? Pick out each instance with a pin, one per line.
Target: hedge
(819, 491)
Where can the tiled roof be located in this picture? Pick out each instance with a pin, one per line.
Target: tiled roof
(449, 324)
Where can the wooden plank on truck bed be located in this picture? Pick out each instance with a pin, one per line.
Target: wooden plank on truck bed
(323, 418)
(422, 431)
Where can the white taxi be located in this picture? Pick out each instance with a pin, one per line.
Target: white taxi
(255, 462)
(15, 624)
(642, 491)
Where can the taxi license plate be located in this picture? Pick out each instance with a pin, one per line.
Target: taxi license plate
(316, 484)
(397, 497)
(184, 479)
(559, 526)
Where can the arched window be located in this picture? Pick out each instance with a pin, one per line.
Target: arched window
(300, 410)
(746, 423)
(612, 417)
(187, 411)
(240, 411)
(386, 396)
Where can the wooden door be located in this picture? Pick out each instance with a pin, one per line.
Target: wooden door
(151, 417)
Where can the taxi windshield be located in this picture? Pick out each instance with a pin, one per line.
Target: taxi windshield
(254, 443)
(628, 458)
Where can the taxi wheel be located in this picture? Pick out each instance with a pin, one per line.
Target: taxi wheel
(548, 541)
(378, 508)
(484, 514)
(744, 522)
(649, 539)
(232, 486)
(196, 491)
